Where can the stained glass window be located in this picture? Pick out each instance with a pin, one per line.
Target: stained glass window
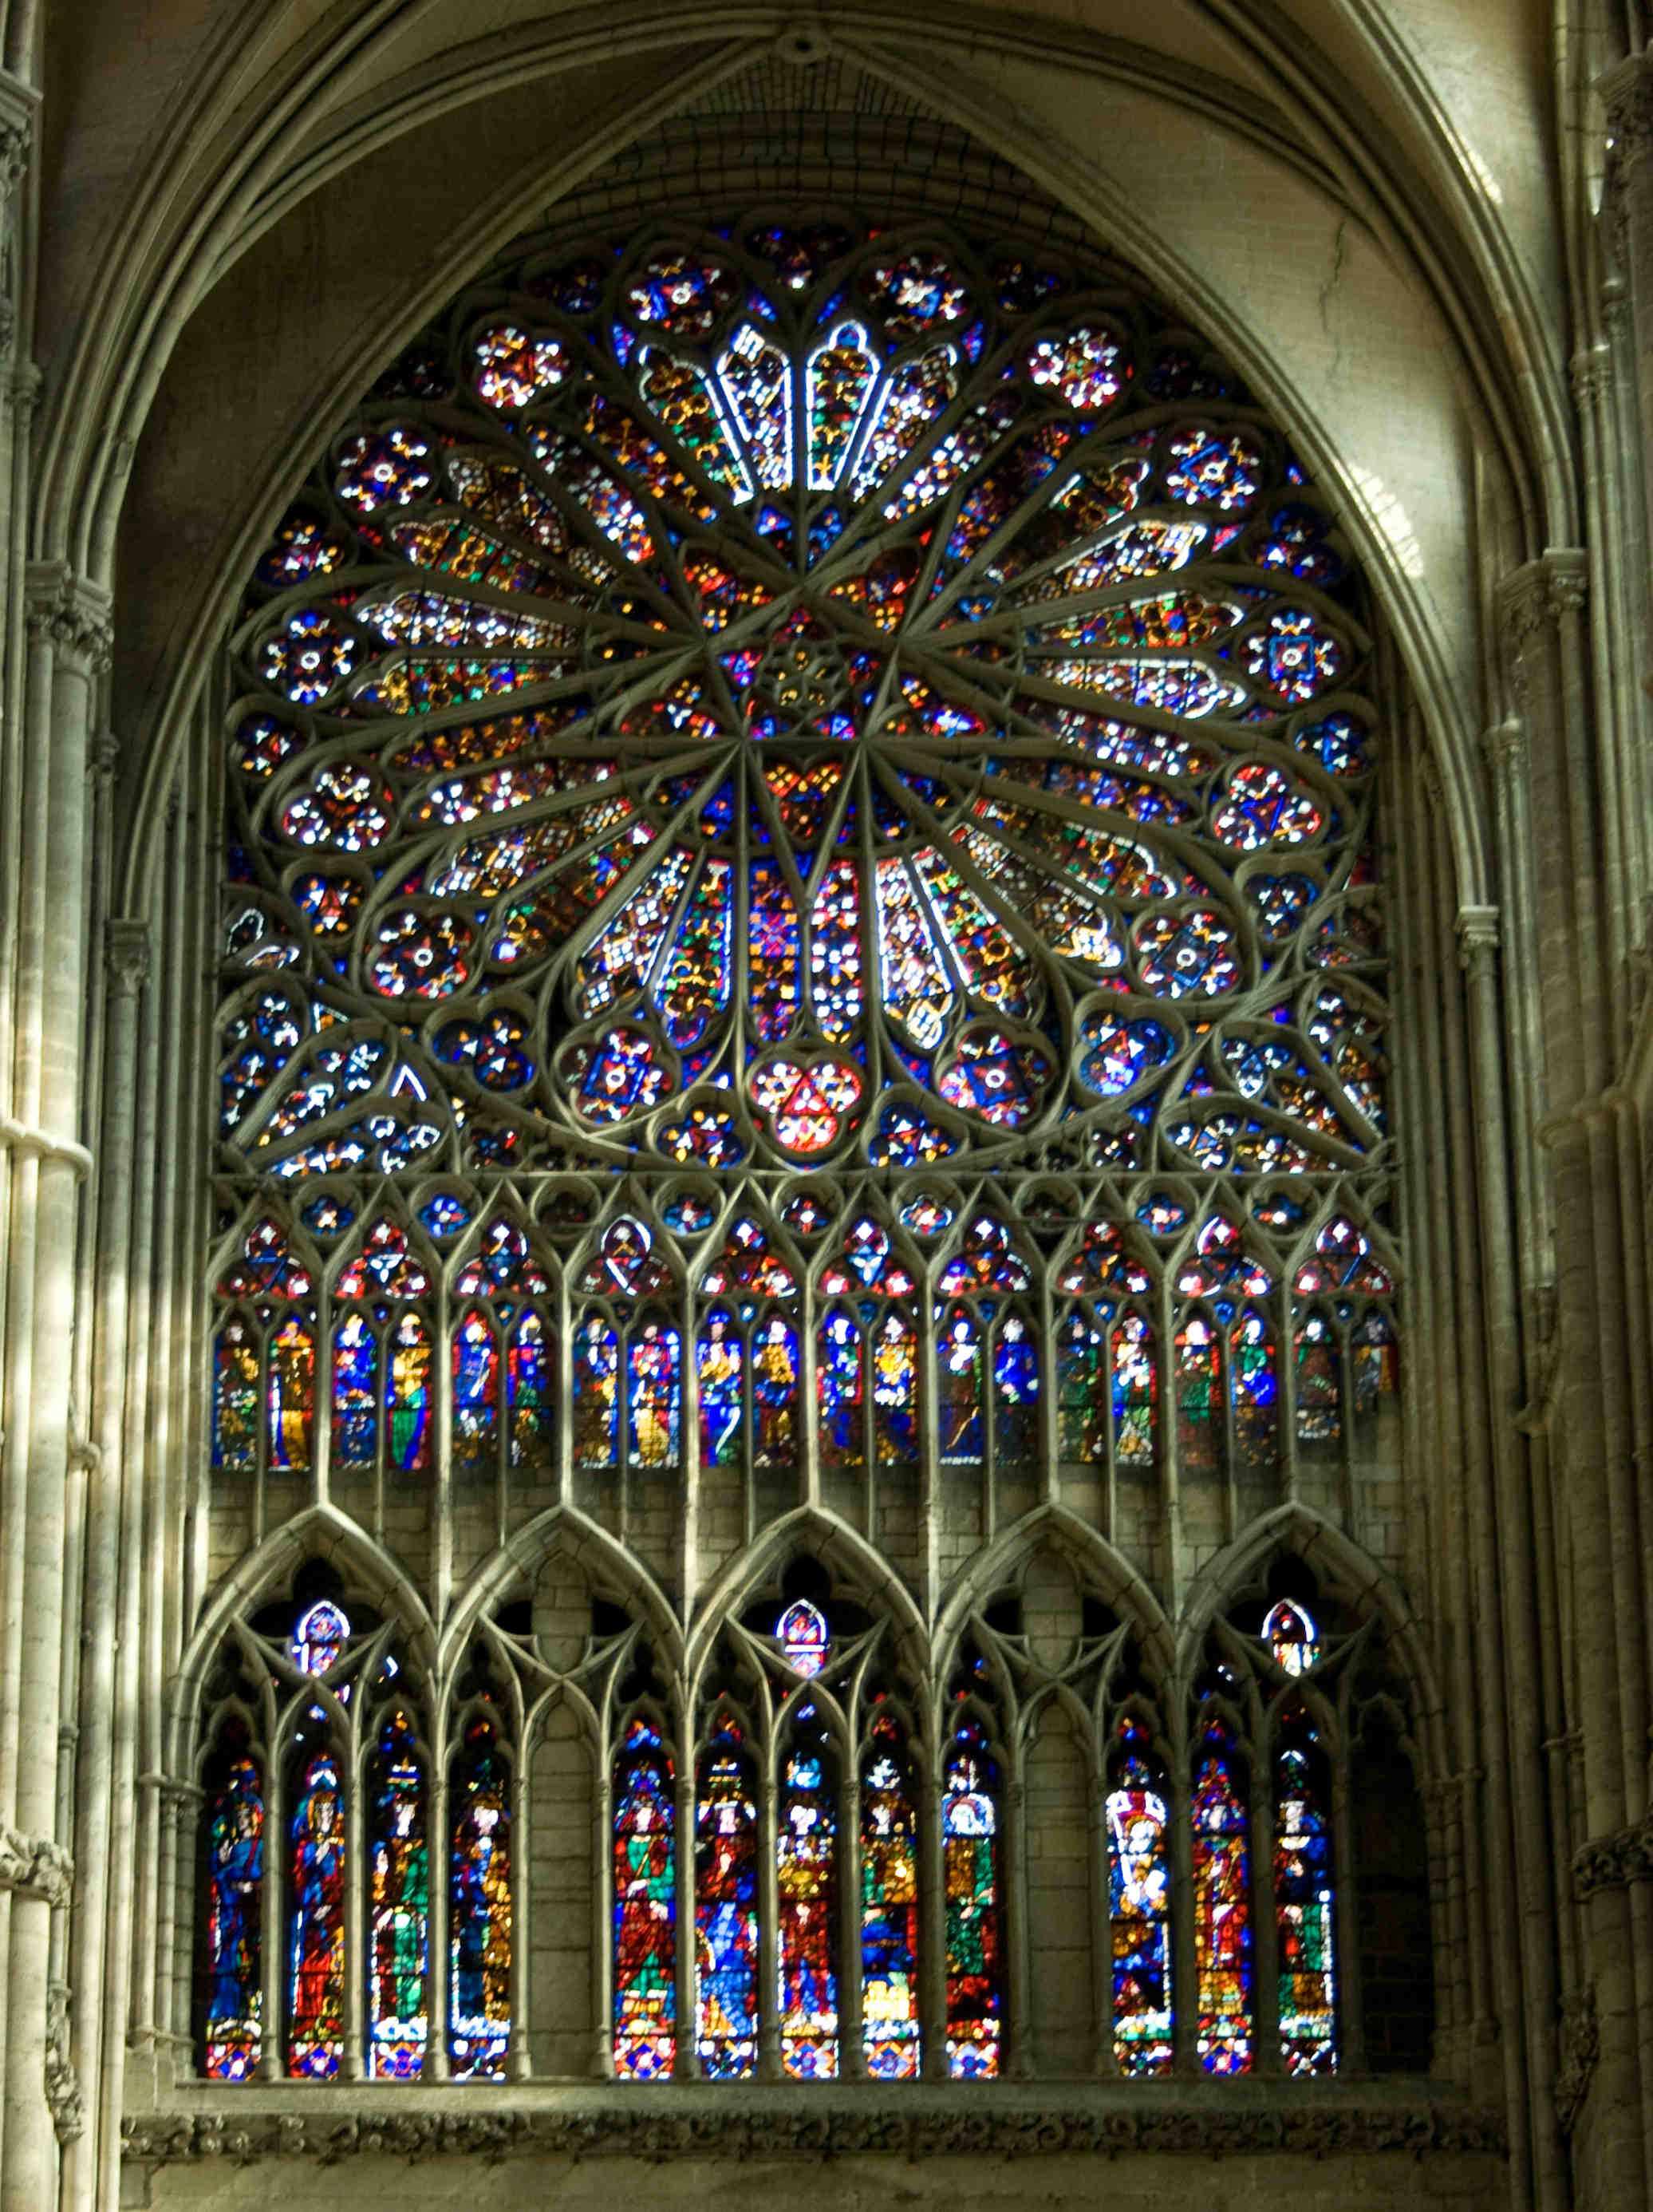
(316, 1967)
(319, 1637)
(726, 1910)
(974, 1910)
(234, 1912)
(609, 478)
(801, 1633)
(891, 2032)
(479, 1910)
(645, 1907)
(1303, 1899)
(807, 1885)
(399, 1907)
(1140, 1907)
(1289, 1635)
(867, 1355)
(800, 804)
(1222, 1908)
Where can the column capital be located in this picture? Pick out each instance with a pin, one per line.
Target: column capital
(68, 612)
(1478, 939)
(33, 1866)
(127, 955)
(1504, 744)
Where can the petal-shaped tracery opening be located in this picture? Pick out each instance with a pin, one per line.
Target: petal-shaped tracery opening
(803, 651)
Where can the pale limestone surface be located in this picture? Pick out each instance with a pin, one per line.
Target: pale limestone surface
(224, 217)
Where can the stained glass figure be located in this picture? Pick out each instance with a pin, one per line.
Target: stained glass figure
(1015, 1391)
(1082, 1390)
(409, 1395)
(1319, 1386)
(319, 1637)
(890, 2033)
(801, 1633)
(653, 1396)
(1222, 1909)
(838, 1380)
(480, 1914)
(290, 1395)
(528, 1386)
(895, 1389)
(1374, 1365)
(1303, 1901)
(725, 1912)
(720, 1393)
(1135, 1392)
(1253, 1391)
(774, 1393)
(1199, 1400)
(969, 1845)
(1290, 1634)
(235, 1398)
(316, 1967)
(476, 1394)
(234, 1912)
(356, 1393)
(596, 1408)
(399, 1907)
(1140, 1907)
(645, 1907)
(958, 1364)
(807, 1887)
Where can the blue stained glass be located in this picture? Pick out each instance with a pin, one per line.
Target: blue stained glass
(725, 1913)
(234, 1919)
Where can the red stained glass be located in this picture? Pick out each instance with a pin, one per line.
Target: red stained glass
(645, 1907)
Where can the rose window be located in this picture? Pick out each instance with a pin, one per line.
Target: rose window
(786, 694)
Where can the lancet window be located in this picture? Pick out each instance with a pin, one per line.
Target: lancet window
(818, 1883)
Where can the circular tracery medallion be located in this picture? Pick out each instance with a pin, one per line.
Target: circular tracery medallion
(796, 692)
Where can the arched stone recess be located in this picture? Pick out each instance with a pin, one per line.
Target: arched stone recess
(591, 1645)
(319, 1533)
(1327, 336)
(809, 1533)
(1062, 1645)
(1308, 1648)
(306, 1728)
(561, 1548)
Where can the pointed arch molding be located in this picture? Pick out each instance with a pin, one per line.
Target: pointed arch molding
(1314, 305)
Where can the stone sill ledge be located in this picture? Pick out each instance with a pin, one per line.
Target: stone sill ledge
(651, 2121)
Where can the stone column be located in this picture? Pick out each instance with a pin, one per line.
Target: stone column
(1627, 95)
(126, 954)
(69, 645)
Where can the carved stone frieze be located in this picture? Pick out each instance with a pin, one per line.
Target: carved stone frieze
(1581, 2043)
(33, 1866)
(973, 2129)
